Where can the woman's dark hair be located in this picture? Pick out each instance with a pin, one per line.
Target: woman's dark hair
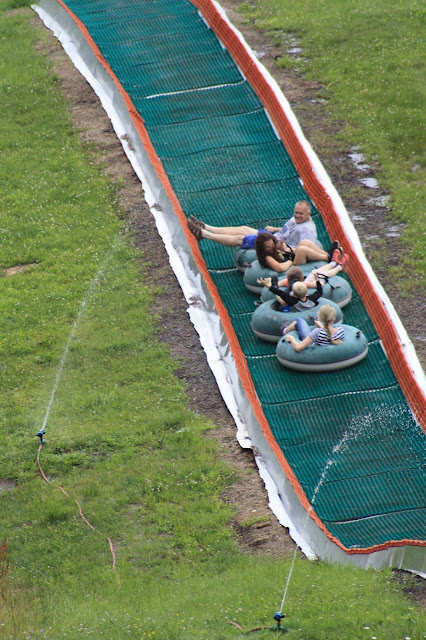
(261, 252)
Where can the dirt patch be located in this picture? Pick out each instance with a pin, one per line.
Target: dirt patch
(255, 527)
(20, 268)
(7, 485)
(413, 586)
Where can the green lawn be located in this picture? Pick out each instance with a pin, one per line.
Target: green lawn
(79, 354)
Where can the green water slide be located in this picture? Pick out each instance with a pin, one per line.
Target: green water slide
(226, 165)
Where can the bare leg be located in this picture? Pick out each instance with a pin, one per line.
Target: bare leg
(243, 230)
(304, 253)
(226, 240)
(331, 269)
(307, 243)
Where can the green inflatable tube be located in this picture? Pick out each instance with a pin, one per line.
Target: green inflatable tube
(244, 257)
(255, 271)
(319, 358)
(336, 289)
(268, 321)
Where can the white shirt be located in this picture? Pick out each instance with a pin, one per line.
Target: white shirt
(292, 233)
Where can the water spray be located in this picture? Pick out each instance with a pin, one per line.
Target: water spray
(279, 615)
(42, 431)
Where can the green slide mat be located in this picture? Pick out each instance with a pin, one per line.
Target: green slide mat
(227, 166)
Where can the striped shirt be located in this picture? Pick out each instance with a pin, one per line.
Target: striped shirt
(319, 336)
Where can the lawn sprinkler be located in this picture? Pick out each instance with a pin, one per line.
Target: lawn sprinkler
(276, 629)
(278, 617)
(40, 435)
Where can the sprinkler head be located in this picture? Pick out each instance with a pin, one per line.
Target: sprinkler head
(40, 435)
(278, 617)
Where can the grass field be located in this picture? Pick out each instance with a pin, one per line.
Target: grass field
(79, 354)
(369, 56)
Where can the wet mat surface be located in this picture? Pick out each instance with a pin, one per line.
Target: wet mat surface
(349, 435)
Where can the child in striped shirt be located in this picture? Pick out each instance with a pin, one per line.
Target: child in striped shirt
(323, 334)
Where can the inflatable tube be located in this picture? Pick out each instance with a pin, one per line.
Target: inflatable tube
(268, 321)
(244, 257)
(336, 289)
(255, 271)
(318, 358)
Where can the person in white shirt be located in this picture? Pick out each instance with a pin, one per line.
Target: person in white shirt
(297, 234)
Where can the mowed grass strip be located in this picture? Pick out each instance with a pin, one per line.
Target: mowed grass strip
(79, 351)
(369, 55)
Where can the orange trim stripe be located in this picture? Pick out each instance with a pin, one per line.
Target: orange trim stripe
(315, 190)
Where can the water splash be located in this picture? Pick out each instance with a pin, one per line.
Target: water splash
(89, 292)
(327, 467)
(340, 446)
(384, 424)
(385, 421)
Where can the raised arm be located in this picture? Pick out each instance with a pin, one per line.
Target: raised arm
(318, 293)
(285, 297)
